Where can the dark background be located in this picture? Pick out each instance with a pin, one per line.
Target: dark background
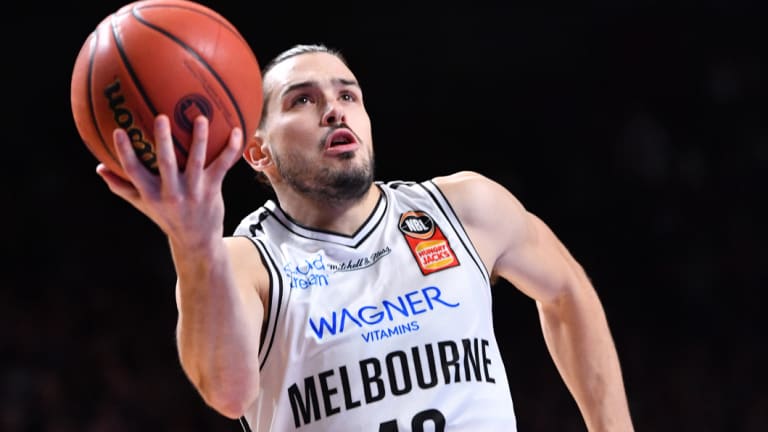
(636, 130)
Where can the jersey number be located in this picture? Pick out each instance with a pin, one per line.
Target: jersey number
(417, 424)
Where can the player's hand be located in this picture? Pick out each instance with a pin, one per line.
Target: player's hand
(186, 204)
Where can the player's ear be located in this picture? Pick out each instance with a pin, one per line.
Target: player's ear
(257, 153)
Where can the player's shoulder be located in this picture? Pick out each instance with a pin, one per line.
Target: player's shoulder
(470, 185)
(471, 192)
(465, 178)
(453, 185)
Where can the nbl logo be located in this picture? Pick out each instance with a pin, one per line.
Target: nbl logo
(124, 118)
(417, 225)
(189, 107)
(428, 245)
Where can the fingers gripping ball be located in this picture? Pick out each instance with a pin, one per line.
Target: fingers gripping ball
(173, 57)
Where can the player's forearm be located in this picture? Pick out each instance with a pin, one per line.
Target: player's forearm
(578, 337)
(216, 329)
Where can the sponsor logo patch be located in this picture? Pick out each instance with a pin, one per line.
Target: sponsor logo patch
(428, 245)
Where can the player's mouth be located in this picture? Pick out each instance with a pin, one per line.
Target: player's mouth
(339, 141)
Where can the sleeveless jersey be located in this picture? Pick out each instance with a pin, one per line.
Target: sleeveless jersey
(389, 329)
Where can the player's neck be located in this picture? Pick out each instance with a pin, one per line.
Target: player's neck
(338, 217)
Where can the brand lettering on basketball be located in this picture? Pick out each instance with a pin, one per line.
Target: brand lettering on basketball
(124, 119)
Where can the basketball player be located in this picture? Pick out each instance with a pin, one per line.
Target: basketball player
(349, 304)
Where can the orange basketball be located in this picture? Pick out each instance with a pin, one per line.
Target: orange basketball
(173, 57)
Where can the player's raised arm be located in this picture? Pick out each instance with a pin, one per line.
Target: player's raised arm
(220, 310)
(519, 247)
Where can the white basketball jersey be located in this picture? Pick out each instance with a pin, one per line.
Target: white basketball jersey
(389, 329)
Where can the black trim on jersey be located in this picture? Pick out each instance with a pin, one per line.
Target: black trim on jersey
(273, 266)
(269, 264)
(270, 299)
(475, 256)
(371, 229)
(252, 228)
(244, 424)
(394, 184)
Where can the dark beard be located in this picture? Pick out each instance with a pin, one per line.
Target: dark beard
(331, 187)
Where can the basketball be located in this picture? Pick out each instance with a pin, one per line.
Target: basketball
(173, 57)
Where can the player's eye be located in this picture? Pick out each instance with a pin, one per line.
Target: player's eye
(301, 100)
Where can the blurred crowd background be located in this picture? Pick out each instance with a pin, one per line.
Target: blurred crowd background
(638, 132)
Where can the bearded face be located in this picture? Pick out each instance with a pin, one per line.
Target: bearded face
(326, 183)
(317, 130)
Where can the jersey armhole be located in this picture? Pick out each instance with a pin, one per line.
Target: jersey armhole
(275, 298)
